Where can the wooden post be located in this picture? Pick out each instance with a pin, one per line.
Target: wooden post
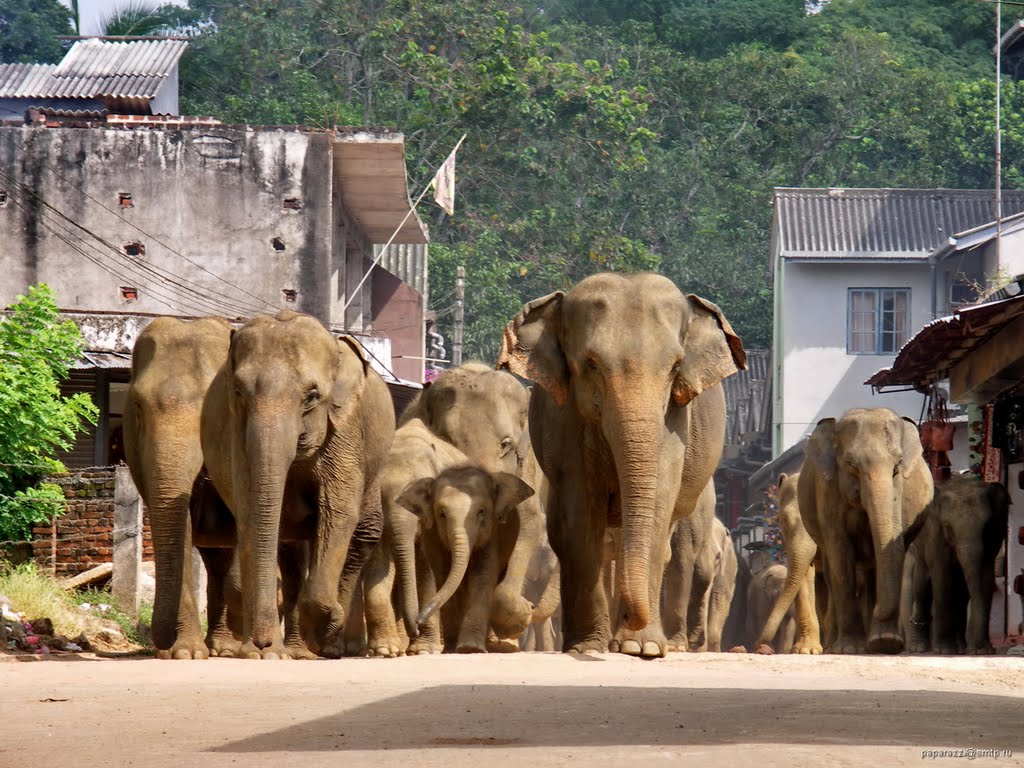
(127, 535)
(457, 321)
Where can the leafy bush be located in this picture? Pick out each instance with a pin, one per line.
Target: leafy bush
(37, 348)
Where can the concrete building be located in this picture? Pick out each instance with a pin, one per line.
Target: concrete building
(131, 216)
(857, 272)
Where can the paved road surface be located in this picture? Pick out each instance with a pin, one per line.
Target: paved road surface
(523, 709)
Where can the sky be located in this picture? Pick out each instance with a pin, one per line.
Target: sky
(93, 11)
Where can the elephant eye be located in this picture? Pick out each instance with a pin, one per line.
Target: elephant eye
(506, 445)
(312, 396)
(896, 469)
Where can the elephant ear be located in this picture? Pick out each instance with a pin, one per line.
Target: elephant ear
(349, 376)
(417, 497)
(913, 451)
(530, 346)
(711, 351)
(821, 448)
(509, 491)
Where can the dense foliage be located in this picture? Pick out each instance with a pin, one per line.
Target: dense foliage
(29, 30)
(36, 349)
(620, 134)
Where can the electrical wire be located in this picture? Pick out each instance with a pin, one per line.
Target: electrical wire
(197, 299)
(262, 303)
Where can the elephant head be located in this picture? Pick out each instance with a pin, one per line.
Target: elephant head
(289, 384)
(479, 410)
(628, 353)
(464, 505)
(874, 460)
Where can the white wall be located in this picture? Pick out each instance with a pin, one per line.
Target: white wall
(818, 378)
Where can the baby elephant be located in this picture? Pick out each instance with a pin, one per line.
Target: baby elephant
(954, 543)
(469, 526)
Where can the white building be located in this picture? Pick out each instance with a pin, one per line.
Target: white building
(857, 272)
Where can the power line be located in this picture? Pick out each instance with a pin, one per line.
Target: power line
(262, 302)
(205, 302)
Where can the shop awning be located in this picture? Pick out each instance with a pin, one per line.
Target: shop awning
(979, 348)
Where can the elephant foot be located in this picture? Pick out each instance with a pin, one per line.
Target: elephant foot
(502, 645)
(275, 652)
(947, 649)
(423, 646)
(386, 647)
(885, 638)
(806, 645)
(299, 650)
(764, 650)
(648, 643)
(511, 614)
(983, 650)
(677, 644)
(696, 641)
(587, 646)
(185, 648)
(848, 645)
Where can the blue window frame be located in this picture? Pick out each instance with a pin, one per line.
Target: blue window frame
(878, 320)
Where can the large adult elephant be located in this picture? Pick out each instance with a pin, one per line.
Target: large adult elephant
(173, 363)
(627, 421)
(483, 413)
(956, 539)
(295, 428)
(863, 482)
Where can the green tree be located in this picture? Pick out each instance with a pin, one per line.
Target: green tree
(29, 30)
(36, 349)
(136, 18)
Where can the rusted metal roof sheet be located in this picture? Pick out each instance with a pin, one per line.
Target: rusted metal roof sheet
(935, 349)
(132, 70)
(898, 224)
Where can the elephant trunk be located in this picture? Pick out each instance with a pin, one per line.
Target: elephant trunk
(881, 501)
(460, 563)
(404, 543)
(549, 599)
(271, 450)
(636, 443)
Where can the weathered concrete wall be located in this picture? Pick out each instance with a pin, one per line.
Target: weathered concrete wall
(230, 219)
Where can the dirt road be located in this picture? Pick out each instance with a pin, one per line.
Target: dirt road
(522, 709)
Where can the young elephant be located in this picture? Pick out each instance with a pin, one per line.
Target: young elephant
(956, 541)
(765, 589)
(469, 527)
(416, 452)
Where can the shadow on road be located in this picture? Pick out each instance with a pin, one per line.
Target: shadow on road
(539, 716)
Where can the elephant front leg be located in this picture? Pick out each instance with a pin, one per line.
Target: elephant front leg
(697, 609)
(676, 598)
(511, 612)
(223, 601)
(429, 639)
(365, 539)
(576, 533)
(378, 583)
(980, 577)
(293, 560)
(481, 581)
(919, 626)
(808, 638)
(842, 575)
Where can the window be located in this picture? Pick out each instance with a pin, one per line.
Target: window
(877, 321)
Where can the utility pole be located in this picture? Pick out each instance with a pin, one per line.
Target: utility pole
(460, 296)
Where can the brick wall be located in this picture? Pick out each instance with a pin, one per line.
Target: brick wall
(83, 537)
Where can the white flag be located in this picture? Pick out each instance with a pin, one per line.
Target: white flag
(444, 182)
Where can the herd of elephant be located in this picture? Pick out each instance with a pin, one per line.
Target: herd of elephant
(490, 516)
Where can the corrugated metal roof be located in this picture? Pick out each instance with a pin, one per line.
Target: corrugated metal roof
(746, 395)
(93, 68)
(879, 223)
(406, 261)
(23, 77)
